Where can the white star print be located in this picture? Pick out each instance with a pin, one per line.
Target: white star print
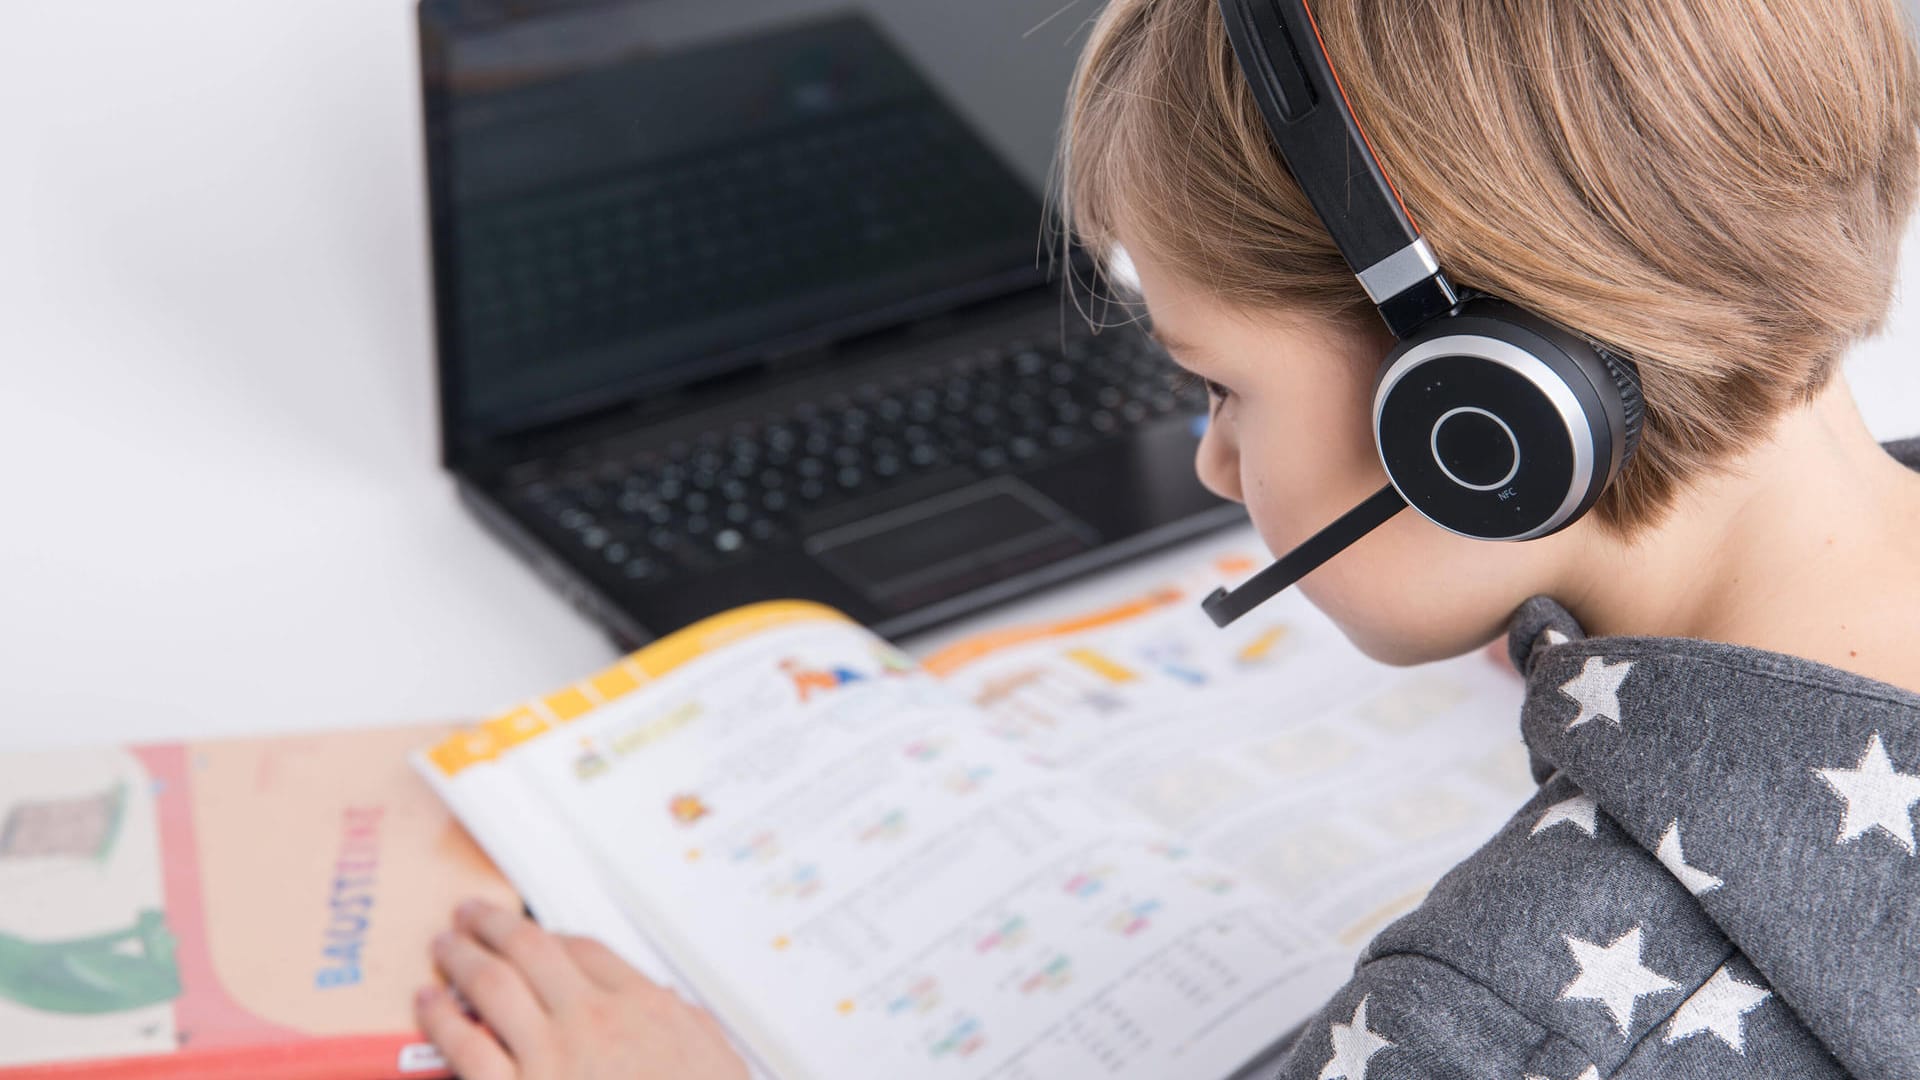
(1877, 796)
(1579, 810)
(1555, 637)
(1613, 976)
(1597, 689)
(1353, 1046)
(1696, 880)
(1718, 1008)
(1592, 1072)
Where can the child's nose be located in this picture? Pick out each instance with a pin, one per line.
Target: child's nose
(1217, 463)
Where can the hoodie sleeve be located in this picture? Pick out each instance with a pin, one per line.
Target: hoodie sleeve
(1410, 1017)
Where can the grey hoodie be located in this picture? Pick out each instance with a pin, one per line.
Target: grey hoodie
(1717, 878)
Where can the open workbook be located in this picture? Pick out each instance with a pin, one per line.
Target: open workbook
(1122, 845)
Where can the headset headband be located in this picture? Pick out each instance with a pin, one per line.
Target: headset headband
(1293, 81)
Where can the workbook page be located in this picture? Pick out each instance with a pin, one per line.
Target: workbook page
(1343, 786)
(861, 878)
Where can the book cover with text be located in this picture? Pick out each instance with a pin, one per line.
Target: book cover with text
(254, 907)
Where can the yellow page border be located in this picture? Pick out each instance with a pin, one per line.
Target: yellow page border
(487, 740)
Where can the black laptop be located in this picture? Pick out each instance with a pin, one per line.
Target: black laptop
(739, 300)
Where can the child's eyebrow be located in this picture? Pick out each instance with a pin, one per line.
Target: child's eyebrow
(1170, 343)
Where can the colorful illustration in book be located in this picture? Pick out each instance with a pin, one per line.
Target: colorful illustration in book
(1009, 934)
(808, 680)
(83, 828)
(1052, 975)
(687, 809)
(104, 973)
(960, 1041)
(889, 826)
(798, 883)
(761, 848)
(1133, 918)
(966, 780)
(1087, 883)
(919, 996)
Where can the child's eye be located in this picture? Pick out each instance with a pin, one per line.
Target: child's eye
(1183, 382)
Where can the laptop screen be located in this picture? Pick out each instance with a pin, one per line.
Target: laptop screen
(635, 195)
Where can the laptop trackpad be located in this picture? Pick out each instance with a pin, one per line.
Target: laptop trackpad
(950, 544)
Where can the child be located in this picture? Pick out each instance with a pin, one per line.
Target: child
(1719, 875)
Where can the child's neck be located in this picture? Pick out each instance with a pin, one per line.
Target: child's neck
(1809, 545)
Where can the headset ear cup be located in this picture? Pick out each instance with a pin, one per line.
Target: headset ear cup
(1571, 411)
(1632, 405)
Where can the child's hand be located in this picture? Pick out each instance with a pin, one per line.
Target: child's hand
(560, 1008)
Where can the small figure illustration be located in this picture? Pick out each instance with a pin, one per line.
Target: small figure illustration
(589, 763)
(687, 809)
(806, 680)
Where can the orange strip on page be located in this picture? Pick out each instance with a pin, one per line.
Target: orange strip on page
(960, 654)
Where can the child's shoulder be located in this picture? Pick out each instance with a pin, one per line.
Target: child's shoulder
(1721, 827)
(1602, 947)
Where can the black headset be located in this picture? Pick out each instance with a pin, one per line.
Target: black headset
(1492, 421)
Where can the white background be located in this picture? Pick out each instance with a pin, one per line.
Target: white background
(219, 507)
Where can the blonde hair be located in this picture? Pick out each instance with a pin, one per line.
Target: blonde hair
(1715, 188)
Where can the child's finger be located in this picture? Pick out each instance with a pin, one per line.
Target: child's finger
(470, 1051)
(602, 964)
(496, 991)
(546, 966)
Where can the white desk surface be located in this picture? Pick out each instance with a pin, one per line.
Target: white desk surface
(222, 512)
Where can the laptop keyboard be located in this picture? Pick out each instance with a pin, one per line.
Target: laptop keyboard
(696, 504)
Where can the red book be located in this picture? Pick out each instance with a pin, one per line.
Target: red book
(255, 908)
